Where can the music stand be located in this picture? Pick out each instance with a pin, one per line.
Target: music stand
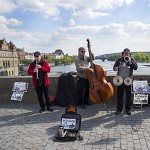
(18, 91)
(140, 89)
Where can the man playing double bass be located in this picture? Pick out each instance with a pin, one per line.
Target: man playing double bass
(124, 66)
(82, 67)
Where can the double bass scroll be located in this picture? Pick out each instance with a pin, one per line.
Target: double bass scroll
(100, 90)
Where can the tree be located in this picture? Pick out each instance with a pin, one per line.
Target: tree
(26, 61)
(139, 57)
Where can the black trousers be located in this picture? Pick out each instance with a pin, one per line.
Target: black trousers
(40, 91)
(120, 94)
(82, 91)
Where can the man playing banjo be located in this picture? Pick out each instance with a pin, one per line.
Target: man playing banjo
(124, 67)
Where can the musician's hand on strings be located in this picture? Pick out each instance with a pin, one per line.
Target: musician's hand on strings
(92, 70)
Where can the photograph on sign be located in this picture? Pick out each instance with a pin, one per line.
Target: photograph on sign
(68, 123)
(140, 98)
(140, 86)
(20, 86)
(17, 95)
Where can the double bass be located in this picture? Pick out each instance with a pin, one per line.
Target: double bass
(100, 90)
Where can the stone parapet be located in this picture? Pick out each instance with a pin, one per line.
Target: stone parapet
(6, 84)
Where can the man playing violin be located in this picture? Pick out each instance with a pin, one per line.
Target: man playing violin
(124, 67)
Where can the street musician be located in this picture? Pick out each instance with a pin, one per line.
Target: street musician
(39, 69)
(124, 67)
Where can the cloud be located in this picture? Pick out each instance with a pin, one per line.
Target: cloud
(52, 8)
(11, 21)
(71, 22)
(78, 8)
(112, 29)
(73, 27)
(88, 13)
(7, 30)
(44, 7)
(94, 5)
(7, 6)
(98, 8)
(109, 38)
(138, 26)
(111, 4)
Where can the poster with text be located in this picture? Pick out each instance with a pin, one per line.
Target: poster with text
(140, 98)
(17, 95)
(68, 123)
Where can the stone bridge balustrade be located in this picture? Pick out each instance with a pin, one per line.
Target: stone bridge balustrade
(6, 84)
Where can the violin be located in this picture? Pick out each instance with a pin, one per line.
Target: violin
(100, 90)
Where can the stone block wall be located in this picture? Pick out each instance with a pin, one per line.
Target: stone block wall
(6, 84)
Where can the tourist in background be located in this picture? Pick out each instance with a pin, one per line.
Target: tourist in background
(124, 67)
(82, 66)
(39, 69)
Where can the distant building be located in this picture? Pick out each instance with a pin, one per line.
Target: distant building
(29, 56)
(21, 54)
(58, 54)
(55, 56)
(8, 59)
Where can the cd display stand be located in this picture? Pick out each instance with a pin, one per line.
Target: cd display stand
(19, 88)
(140, 91)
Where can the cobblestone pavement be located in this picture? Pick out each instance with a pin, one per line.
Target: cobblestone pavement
(101, 129)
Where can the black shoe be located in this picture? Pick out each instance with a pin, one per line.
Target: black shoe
(128, 112)
(50, 109)
(41, 110)
(118, 112)
(82, 106)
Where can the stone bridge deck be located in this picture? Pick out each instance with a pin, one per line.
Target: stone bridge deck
(101, 129)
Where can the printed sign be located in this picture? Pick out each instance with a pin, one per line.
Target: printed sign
(20, 86)
(140, 98)
(18, 90)
(140, 86)
(17, 95)
(68, 123)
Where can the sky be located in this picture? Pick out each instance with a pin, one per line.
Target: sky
(48, 25)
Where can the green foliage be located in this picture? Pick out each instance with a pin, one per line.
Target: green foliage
(113, 57)
(65, 60)
(26, 61)
(57, 62)
(49, 59)
(139, 57)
